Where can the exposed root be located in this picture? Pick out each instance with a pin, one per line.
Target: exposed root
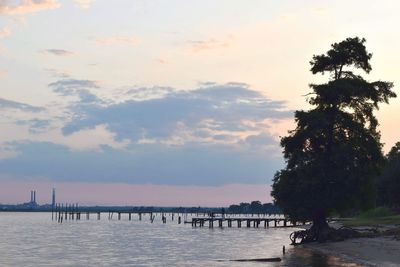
(394, 232)
(329, 234)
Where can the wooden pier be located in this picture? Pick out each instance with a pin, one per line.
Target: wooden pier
(247, 222)
(67, 212)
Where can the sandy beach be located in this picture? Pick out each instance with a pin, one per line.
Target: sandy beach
(378, 251)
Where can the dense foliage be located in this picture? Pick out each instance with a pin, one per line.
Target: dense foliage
(334, 154)
(389, 181)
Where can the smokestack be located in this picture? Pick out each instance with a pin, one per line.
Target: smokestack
(53, 202)
(34, 196)
(31, 196)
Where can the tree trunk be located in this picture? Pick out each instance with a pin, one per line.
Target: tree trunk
(320, 230)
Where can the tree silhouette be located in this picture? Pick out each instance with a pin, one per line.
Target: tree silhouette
(333, 155)
(389, 180)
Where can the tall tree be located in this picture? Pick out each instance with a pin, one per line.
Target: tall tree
(333, 155)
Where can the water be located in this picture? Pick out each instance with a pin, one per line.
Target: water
(33, 239)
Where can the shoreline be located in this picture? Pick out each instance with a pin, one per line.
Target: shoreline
(380, 251)
(374, 252)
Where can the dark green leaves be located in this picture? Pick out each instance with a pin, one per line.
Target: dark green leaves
(389, 181)
(348, 53)
(334, 154)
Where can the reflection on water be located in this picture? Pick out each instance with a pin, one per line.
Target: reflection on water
(32, 239)
(307, 257)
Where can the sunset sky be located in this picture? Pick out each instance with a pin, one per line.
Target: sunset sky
(168, 102)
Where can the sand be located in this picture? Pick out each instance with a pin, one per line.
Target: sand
(378, 251)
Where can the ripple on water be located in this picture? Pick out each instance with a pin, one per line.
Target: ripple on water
(33, 239)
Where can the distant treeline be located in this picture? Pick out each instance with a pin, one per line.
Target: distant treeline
(255, 207)
(150, 209)
(136, 209)
(388, 183)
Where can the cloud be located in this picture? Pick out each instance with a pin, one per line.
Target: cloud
(71, 86)
(212, 135)
(84, 4)
(5, 32)
(9, 104)
(7, 151)
(54, 73)
(36, 125)
(74, 87)
(58, 52)
(163, 114)
(19, 7)
(162, 61)
(192, 164)
(146, 93)
(210, 44)
(261, 141)
(118, 40)
(80, 89)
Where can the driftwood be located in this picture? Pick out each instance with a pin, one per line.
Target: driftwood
(257, 260)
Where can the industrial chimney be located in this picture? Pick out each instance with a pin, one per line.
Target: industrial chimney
(53, 200)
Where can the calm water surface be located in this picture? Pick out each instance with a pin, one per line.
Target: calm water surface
(33, 239)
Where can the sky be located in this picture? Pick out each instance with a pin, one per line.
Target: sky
(168, 102)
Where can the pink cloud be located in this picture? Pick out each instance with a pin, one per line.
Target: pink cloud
(210, 44)
(162, 61)
(26, 6)
(5, 32)
(134, 194)
(3, 73)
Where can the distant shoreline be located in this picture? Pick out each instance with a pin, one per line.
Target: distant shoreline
(135, 209)
(265, 209)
